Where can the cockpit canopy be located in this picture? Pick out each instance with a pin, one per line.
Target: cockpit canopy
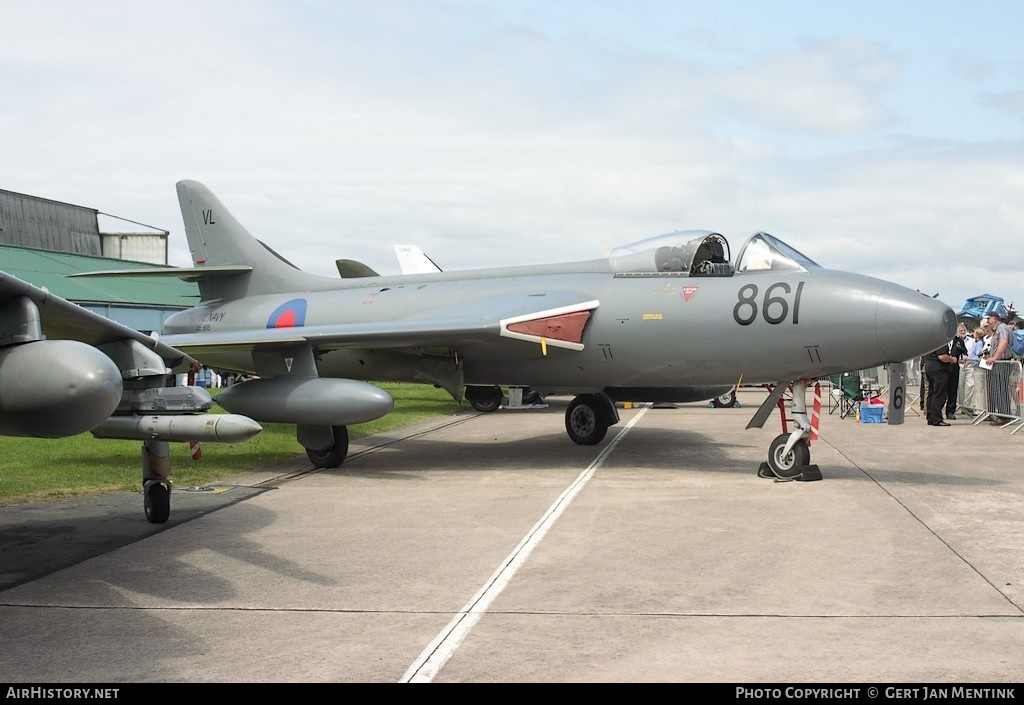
(764, 252)
(703, 253)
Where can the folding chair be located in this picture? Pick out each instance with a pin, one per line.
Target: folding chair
(846, 394)
(835, 392)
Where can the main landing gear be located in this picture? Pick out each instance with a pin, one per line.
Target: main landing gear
(725, 401)
(156, 481)
(485, 399)
(488, 399)
(588, 417)
(326, 446)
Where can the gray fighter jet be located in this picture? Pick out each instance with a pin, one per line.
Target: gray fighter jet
(65, 370)
(673, 318)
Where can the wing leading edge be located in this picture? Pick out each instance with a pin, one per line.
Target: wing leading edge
(62, 319)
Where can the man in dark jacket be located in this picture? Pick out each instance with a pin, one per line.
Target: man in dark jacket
(958, 350)
(936, 368)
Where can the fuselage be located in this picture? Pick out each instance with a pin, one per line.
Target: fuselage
(648, 329)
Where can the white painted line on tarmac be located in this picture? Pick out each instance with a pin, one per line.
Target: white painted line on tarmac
(437, 653)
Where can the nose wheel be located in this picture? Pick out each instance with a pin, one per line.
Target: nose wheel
(792, 465)
(783, 463)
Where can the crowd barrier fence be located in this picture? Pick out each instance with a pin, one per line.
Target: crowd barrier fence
(996, 393)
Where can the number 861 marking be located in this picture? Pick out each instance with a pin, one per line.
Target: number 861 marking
(774, 306)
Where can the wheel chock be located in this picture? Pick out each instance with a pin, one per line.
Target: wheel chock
(808, 473)
(800, 473)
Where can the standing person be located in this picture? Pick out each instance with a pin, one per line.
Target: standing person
(936, 370)
(958, 351)
(973, 400)
(922, 397)
(998, 369)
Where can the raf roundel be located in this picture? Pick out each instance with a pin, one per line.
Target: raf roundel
(290, 314)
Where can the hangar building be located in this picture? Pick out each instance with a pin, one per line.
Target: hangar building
(42, 241)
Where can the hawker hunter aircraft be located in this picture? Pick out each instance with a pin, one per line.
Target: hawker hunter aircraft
(669, 319)
(65, 370)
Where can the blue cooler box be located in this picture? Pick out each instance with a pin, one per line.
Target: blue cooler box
(872, 413)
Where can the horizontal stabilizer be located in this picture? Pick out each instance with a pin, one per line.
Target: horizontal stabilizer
(189, 274)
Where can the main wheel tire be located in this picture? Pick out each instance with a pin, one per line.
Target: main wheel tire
(157, 502)
(333, 455)
(725, 401)
(586, 421)
(485, 399)
(784, 464)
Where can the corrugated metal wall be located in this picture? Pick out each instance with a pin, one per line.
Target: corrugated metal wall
(28, 221)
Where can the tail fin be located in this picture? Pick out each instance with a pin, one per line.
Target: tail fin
(413, 260)
(216, 240)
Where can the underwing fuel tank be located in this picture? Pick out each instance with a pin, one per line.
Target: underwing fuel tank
(56, 388)
(214, 428)
(314, 401)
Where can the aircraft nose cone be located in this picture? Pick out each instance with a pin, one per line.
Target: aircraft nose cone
(909, 324)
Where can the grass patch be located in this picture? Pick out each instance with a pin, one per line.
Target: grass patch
(35, 469)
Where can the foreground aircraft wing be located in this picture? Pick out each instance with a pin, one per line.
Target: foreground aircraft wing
(65, 370)
(60, 319)
(555, 319)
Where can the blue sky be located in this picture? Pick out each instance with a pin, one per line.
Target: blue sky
(883, 138)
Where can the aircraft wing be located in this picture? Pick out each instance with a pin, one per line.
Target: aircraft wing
(62, 319)
(555, 318)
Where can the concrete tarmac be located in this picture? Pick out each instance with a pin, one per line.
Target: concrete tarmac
(490, 548)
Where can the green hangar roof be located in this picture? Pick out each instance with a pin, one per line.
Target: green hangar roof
(51, 270)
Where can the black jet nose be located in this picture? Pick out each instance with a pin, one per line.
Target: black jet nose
(909, 324)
